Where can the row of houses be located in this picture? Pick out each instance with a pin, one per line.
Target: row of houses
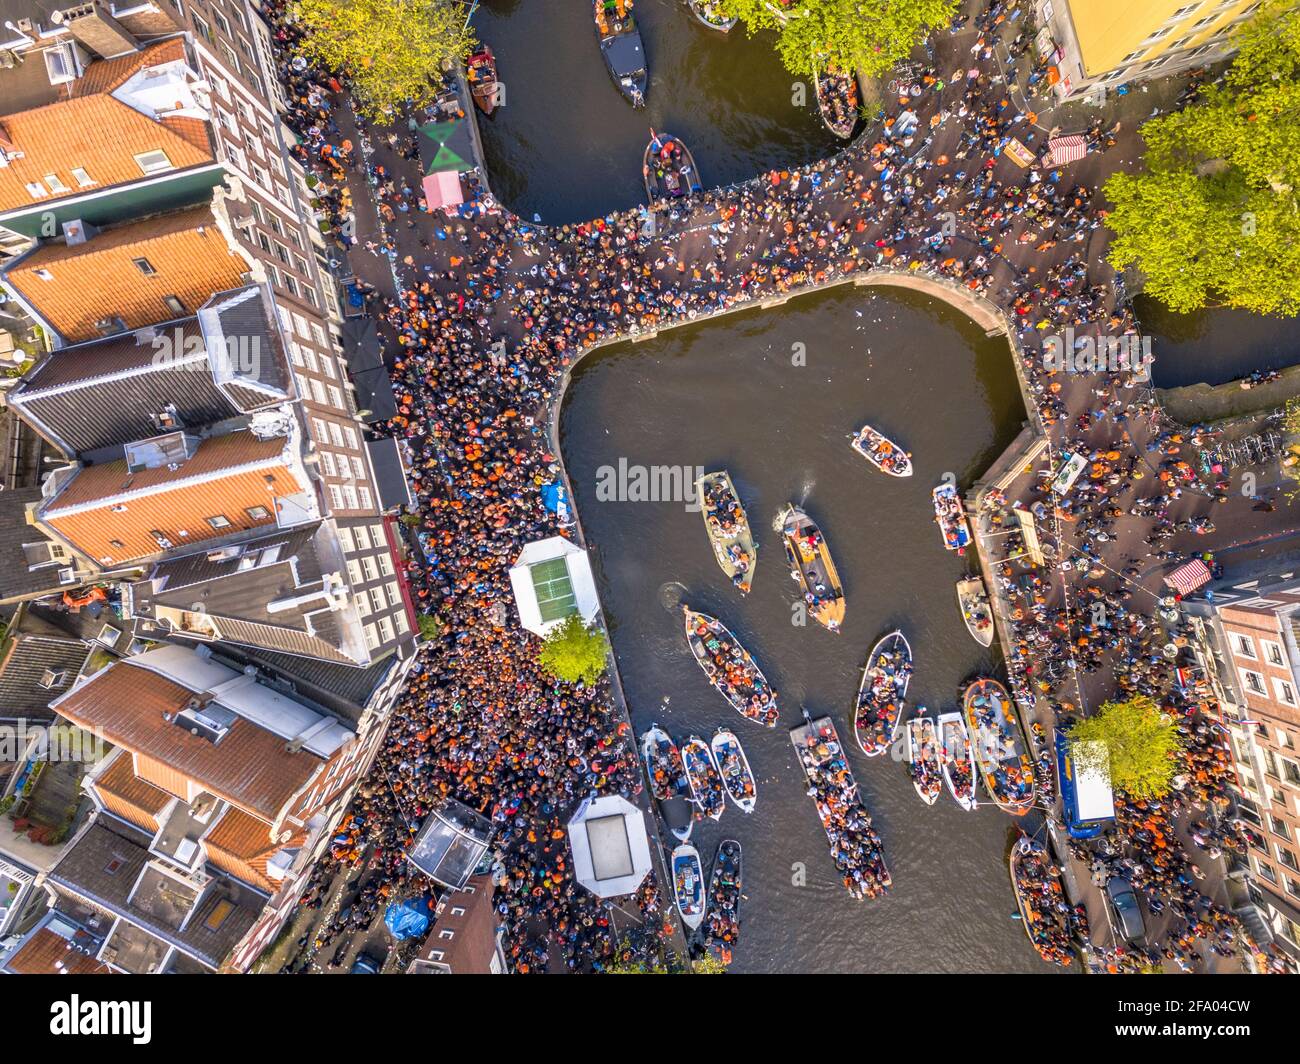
(208, 620)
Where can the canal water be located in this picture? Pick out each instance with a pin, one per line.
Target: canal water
(729, 394)
(1214, 346)
(568, 147)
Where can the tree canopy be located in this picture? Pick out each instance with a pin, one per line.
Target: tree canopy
(865, 35)
(392, 51)
(1213, 218)
(574, 653)
(1141, 744)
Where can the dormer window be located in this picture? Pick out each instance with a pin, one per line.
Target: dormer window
(83, 179)
(55, 183)
(173, 304)
(36, 190)
(52, 678)
(62, 64)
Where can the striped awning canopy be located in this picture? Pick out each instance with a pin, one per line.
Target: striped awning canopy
(1067, 149)
(1187, 578)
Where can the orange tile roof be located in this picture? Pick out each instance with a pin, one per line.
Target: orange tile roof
(110, 513)
(78, 285)
(250, 767)
(127, 795)
(242, 845)
(47, 953)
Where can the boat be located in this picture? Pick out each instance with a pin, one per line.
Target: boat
(722, 930)
(951, 516)
(958, 759)
(880, 695)
(923, 762)
(668, 169)
(733, 767)
(1036, 883)
(730, 669)
(668, 783)
(481, 73)
(855, 847)
(688, 884)
(1000, 755)
(812, 567)
(975, 610)
(837, 100)
(882, 452)
(702, 774)
(709, 14)
(727, 527)
(620, 44)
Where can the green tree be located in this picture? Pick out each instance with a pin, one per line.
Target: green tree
(391, 50)
(863, 35)
(1140, 746)
(573, 652)
(430, 626)
(1213, 220)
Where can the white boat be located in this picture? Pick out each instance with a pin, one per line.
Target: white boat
(957, 756)
(882, 452)
(668, 783)
(702, 773)
(975, 610)
(727, 527)
(950, 515)
(880, 695)
(688, 884)
(734, 768)
(709, 14)
(923, 759)
(731, 670)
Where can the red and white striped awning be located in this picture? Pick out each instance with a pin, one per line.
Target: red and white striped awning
(1187, 578)
(1067, 149)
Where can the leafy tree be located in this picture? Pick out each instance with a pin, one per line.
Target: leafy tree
(1141, 745)
(1213, 219)
(864, 35)
(430, 626)
(574, 653)
(391, 50)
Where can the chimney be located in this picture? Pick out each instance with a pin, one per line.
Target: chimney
(95, 29)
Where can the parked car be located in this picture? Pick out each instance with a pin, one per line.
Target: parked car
(1128, 912)
(366, 965)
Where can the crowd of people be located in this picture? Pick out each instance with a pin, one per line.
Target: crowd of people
(491, 311)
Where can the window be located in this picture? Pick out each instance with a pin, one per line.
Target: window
(370, 568)
(204, 30)
(62, 64)
(1284, 691)
(83, 179)
(1254, 682)
(1279, 827)
(174, 304)
(153, 162)
(336, 497)
(386, 629)
(144, 266)
(257, 513)
(1243, 646)
(1287, 858)
(364, 494)
(372, 637)
(220, 912)
(1273, 653)
(36, 190)
(447, 933)
(52, 678)
(363, 537)
(55, 184)
(1133, 57)
(219, 521)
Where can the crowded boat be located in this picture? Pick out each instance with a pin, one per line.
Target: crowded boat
(733, 767)
(730, 669)
(668, 169)
(1040, 896)
(973, 600)
(951, 517)
(727, 526)
(811, 567)
(710, 13)
(1000, 754)
(957, 757)
(882, 453)
(880, 694)
(923, 761)
(702, 774)
(620, 44)
(481, 73)
(837, 100)
(722, 930)
(688, 884)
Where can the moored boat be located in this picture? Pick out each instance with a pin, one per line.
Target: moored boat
(727, 526)
(668, 783)
(722, 931)
(812, 567)
(923, 763)
(881, 693)
(688, 884)
(882, 452)
(975, 610)
(958, 759)
(1000, 755)
(710, 14)
(620, 44)
(951, 517)
(481, 73)
(730, 669)
(733, 767)
(1036, 882)
(668, 169)
(855, 847)
(837, 101)
(702, 774)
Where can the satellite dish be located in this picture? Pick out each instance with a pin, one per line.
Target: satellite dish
(1171, 651)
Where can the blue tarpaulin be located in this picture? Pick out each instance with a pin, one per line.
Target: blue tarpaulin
(407, 919)
(554, 497)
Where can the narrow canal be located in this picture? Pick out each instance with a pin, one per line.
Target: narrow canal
(731, 394)
(567, 146)
(1213, 346)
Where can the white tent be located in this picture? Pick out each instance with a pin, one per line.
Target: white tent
(611, 853)
(552, 581)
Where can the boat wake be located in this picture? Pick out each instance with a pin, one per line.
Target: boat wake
(672, 595)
